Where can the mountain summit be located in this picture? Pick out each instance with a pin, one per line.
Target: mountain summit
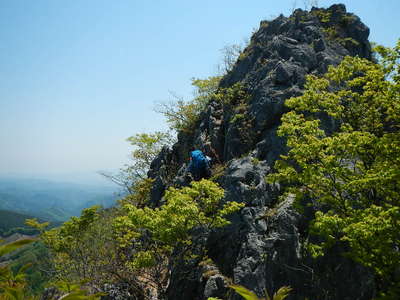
(263, 247)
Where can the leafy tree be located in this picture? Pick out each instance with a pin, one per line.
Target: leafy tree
(135, 244)
(84, 250)
(344, 141)
(10, 247)
(157, 238)
(147, 146)
(37, 255)
(13, 285)
(281, 294)
(183, 115)
(141, 193)
(71, 244)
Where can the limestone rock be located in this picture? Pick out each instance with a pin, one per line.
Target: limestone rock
(263, 247)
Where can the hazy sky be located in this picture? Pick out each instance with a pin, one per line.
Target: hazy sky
(78, 77)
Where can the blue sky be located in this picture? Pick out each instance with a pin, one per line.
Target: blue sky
(78, 77)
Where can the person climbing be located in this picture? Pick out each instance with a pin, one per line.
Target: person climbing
(199, 165)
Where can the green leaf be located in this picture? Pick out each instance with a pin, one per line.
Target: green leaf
(282, 293)
(245, 293)
(25, 267)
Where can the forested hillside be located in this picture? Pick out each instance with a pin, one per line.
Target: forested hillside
(55, 201)
(12, 222)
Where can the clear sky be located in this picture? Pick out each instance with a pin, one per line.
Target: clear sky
(80, 76)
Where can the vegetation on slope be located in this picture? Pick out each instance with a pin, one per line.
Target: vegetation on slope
(344, 140)
(343, 159)
(13, 222)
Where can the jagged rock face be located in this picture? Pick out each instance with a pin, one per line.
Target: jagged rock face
(263, 246)
(281, 53)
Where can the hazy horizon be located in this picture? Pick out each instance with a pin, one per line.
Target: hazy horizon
(79, 77)
(89, 178)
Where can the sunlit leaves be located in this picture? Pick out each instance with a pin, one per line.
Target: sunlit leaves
(170, 225)
(344, 152)
(13, 284)
(245, 293)
(7, 248)
(147, 146)
(157, 238)
(281, 294)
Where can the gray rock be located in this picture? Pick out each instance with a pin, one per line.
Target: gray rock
(284, 72)
(215, 287)
(245, 182)
(319, 45)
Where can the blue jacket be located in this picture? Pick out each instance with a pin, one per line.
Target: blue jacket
(198, 161)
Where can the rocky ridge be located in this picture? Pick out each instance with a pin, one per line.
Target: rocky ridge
(263, 248)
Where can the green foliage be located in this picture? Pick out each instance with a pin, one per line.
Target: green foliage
(348, 42)
(205, 88)
(73, 245)
(255, 161)
(332, 30)
(10, 247)
(141, 194)
(146, 147)
(331, 33)
(281, 294)
(162, 236)
(236, 94)
(34, 223)
(323, 15)
(183, 115)
(84, 249)
(245, 293)
(347, 19)
(354, 170)
(237, 118)
(37, 255)
(13, 284)
(235, 100)
(186, 208)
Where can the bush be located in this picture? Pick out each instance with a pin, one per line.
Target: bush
(183, 115)
(353, 170)
(159, 238)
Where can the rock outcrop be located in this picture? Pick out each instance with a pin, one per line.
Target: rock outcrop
(263, 248)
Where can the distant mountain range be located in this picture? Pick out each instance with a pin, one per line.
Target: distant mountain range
(54, 201)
